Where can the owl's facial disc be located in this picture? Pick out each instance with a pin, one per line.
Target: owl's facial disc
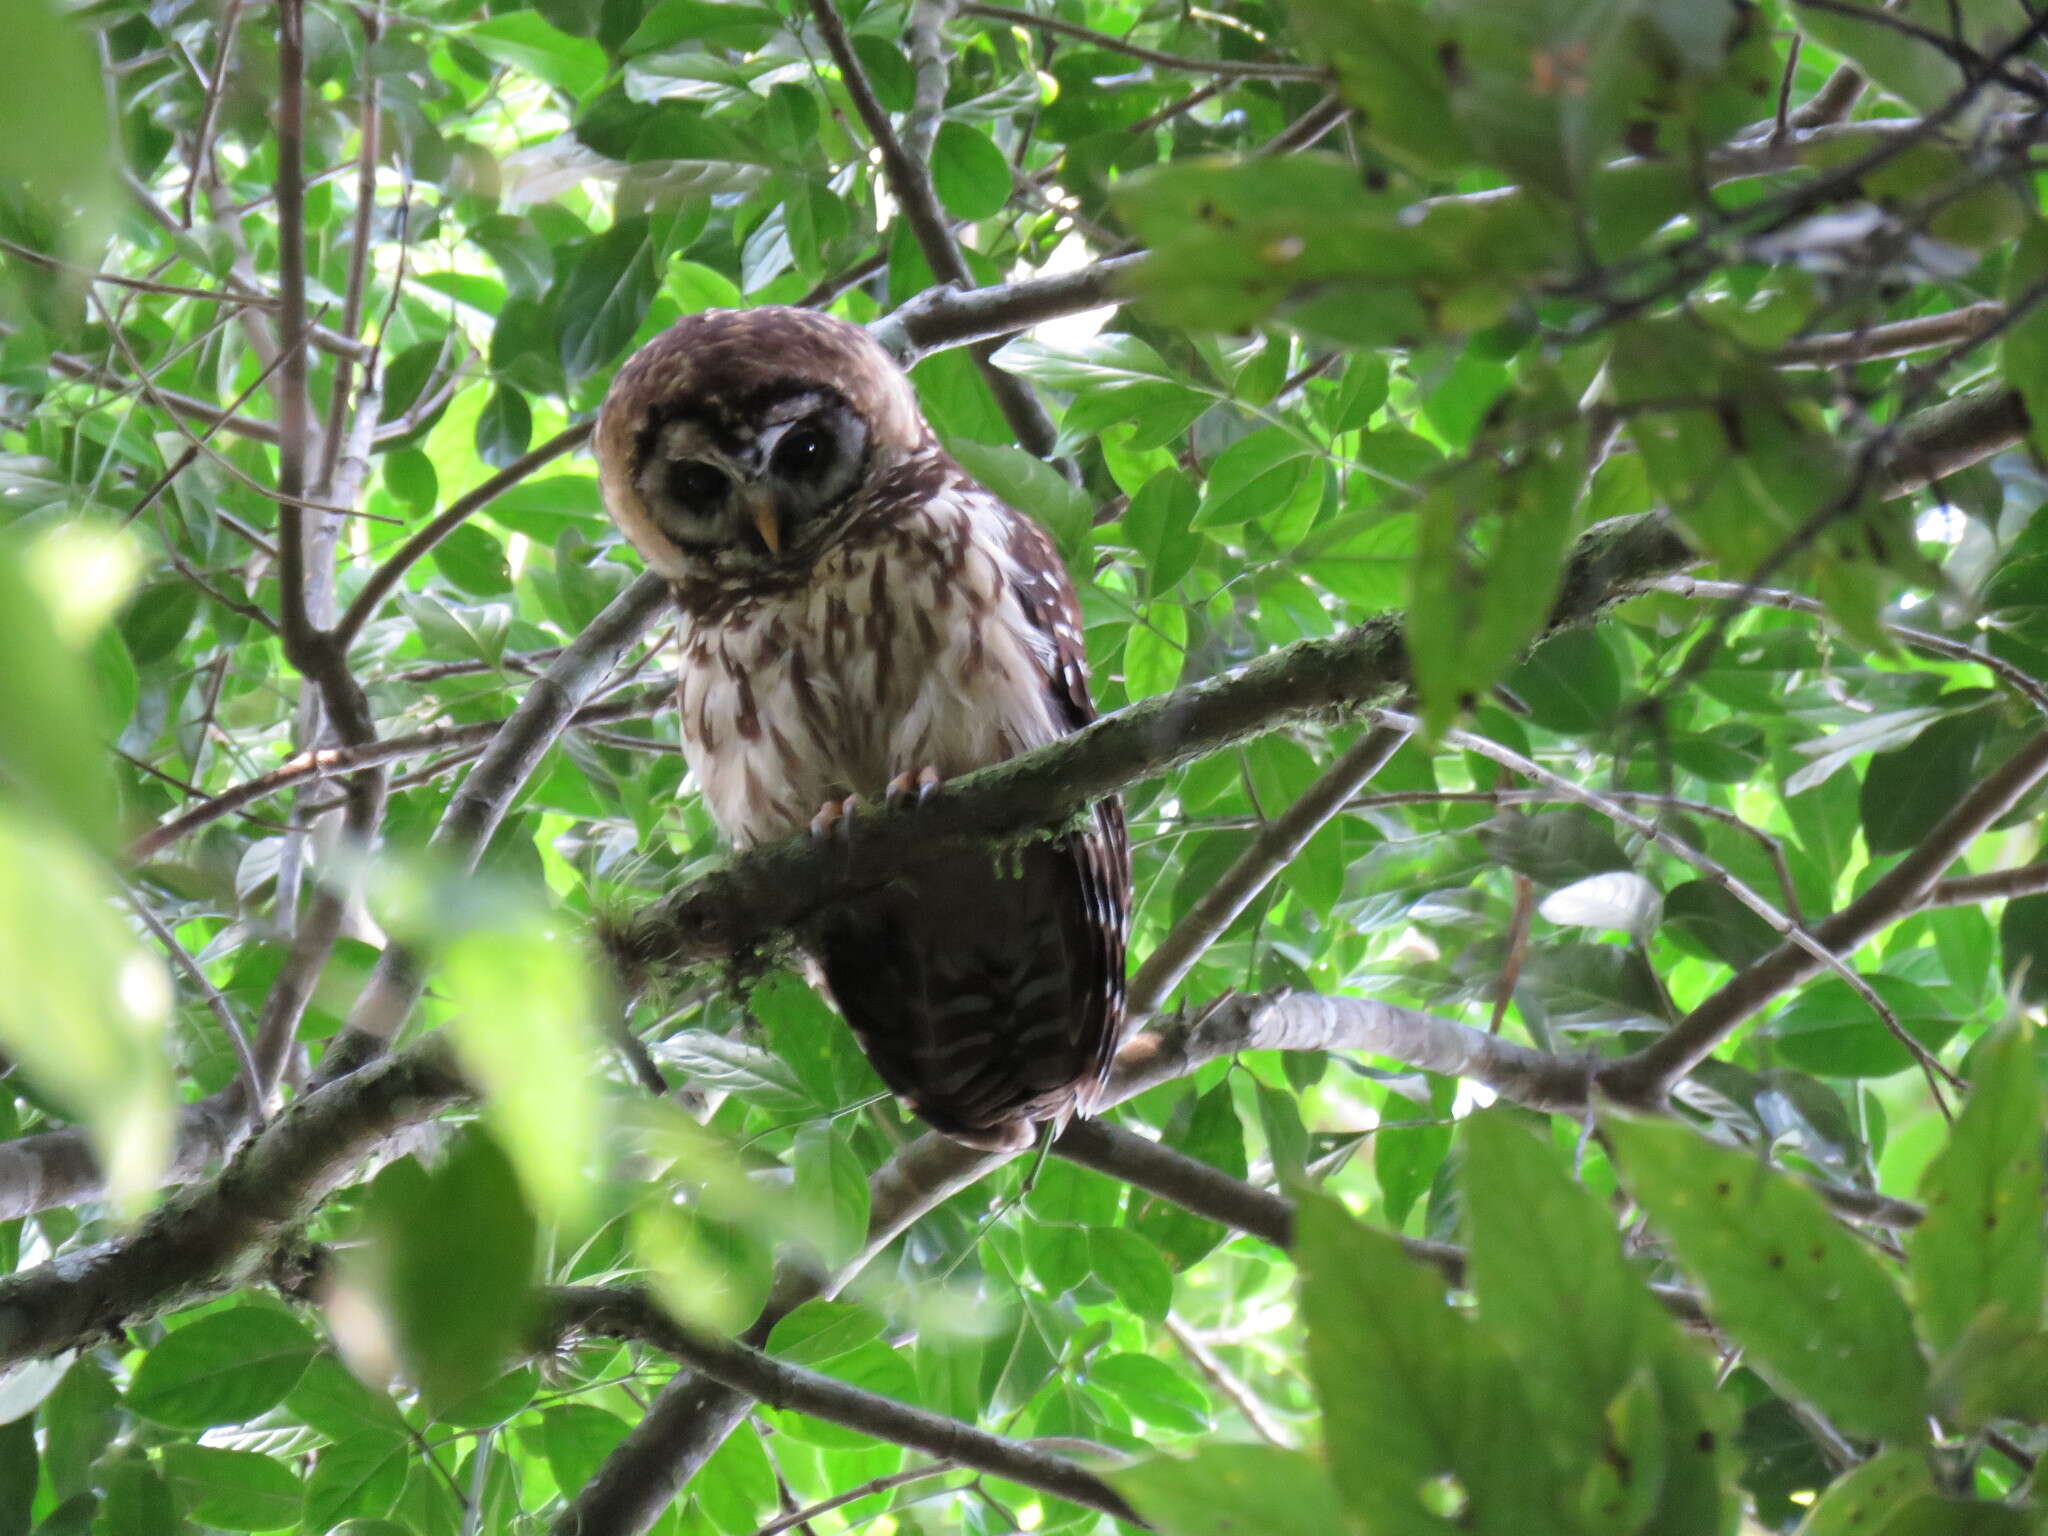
(756, 494)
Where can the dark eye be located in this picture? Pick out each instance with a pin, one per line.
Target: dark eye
(693, 483)
(802, 452)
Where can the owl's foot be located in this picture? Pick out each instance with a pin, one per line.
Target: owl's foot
(906, 787)
(834, 815)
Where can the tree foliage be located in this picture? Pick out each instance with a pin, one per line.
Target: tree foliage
(1553, 490)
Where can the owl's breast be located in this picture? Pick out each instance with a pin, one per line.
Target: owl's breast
(903, 651)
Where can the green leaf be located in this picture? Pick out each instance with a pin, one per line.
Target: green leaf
(833, 1187)
(504, 427)
(235, 1490)
(1132, 1268)
(1207, 1129)
(1905, 792)
(525, 1028)
(1389, 58)
(2023, 947)
(1571, 683)
(576, 1438)
(1058, 1255)
(1865, 1496)
(49, 731)
(1548, 1273)
(1831, 1031)
(18, 1465)
(968, 172)
(53, 122)
(2023, 351)
(134, 1500)
(1155, 650)
(736, 1488)
(474, 561)
(1257, 478)
(605, 296)
(452, 1263)
(1229, 1490)
(354, 1478)
(1390, 1361)
(821, 1330)
(1154, 1392)
(224, 1368)
(1808, 1303)
(1158, 522)
(1717, 922)
(84, 1007)
(1472, 610)
(1979, 1250)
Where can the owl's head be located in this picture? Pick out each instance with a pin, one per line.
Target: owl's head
(739, 439)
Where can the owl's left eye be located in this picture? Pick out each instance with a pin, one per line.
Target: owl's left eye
(803, 452)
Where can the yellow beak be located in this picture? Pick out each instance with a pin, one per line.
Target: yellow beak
(761, 503)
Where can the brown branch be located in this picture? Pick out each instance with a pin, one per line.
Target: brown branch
(1898, 339)
(951, 317)
(388, 574)
(203, 1239)
(630, 1314)
(911, 184)
(1999, 885)
(294, 422)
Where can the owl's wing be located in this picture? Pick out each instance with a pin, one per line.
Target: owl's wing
(1101, 853)
(988, 991)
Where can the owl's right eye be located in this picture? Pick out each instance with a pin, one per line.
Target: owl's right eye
(693, 483)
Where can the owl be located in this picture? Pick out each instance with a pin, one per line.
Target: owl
(861, 620)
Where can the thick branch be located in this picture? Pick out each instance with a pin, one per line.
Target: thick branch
(774, 889)
(200, 1240)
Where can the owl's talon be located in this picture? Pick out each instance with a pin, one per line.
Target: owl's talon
(829, 816)
(906, 786)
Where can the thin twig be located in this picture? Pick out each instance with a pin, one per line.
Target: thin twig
(1782, 924)
(1239, 69)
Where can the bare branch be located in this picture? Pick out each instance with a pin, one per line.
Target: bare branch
(328, 762)
(1900, 338)
(1275, 847)
(1649, 1074)
(630, 1314)
(1237, 69)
